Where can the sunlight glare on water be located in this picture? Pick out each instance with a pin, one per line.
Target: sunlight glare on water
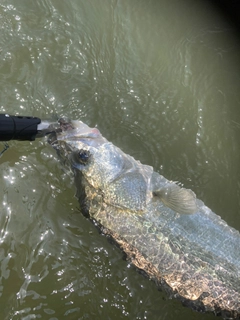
(159, 81)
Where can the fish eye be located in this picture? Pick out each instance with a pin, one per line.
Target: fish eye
(83, 156)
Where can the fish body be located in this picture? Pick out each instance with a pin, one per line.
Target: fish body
(163, 228)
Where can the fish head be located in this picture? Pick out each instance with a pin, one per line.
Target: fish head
(78, 145)
(104, 167)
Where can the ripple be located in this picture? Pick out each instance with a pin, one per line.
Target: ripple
(157, 86)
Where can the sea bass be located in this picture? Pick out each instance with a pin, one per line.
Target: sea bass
(163, 228)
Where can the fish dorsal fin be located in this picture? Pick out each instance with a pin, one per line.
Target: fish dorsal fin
(177, 198)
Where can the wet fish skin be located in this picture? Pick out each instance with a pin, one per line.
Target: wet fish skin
(185, 248)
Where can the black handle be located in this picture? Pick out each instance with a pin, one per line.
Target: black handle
(18, 128)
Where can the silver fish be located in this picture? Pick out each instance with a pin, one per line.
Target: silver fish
(163, 228)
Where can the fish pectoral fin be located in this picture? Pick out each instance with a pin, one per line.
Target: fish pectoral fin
(177, 198)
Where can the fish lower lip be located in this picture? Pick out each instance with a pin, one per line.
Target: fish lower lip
(52, 139)
(64, 125)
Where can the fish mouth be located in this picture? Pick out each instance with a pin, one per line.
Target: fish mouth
(63, 125)
(75, 130)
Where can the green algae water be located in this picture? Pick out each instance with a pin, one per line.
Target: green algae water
(160, 80)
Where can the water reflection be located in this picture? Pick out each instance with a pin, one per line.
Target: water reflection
(160, 82)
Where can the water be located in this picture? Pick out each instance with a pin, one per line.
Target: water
(160, 79)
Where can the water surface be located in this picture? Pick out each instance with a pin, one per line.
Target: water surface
(160, 79)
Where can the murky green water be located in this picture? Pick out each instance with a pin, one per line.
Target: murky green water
(160, 79)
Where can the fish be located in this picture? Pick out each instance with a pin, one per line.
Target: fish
(163, 229)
